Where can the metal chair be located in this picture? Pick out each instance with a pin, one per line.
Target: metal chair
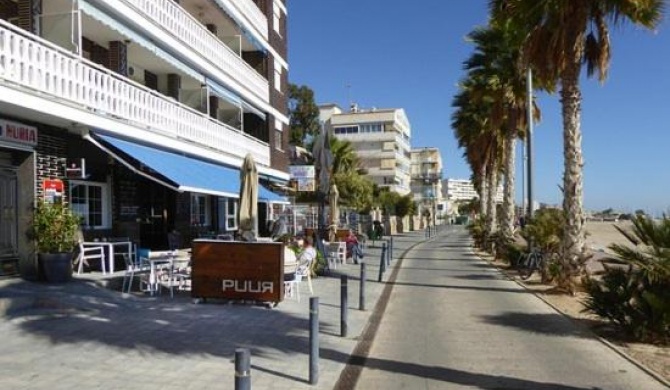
(135, 266)
(90, 252)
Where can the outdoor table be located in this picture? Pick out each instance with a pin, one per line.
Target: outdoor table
(109, 245)
(157, 259)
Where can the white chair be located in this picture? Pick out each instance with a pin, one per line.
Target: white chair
(336, 253)
(135, 266)
(90, 252)
(292, 286)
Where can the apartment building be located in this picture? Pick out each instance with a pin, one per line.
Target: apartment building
(463, 190)
(426, 183)
(139, 113)
(381, 139)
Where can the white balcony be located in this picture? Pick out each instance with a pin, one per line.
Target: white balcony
(251, 12)
(35, 65)
(176, 21)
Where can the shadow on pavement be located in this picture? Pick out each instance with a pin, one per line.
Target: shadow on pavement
(551, 324)
(80, 311)
(447, 286)
(479, 381)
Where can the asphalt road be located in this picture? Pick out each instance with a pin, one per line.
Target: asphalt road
(454, 322)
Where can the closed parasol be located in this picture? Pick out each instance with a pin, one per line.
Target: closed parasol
(248, 199)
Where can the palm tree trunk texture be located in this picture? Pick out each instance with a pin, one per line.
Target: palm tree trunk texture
(573, 235)
(507, 225)
(483, 191)
(491, 187)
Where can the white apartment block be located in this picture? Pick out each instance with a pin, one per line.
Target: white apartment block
(463, 190)
(381, 139)
(426, 174)
(160, 100)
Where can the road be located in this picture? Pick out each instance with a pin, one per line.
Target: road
(454, 322)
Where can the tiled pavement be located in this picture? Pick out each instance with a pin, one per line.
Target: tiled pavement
(84, 335)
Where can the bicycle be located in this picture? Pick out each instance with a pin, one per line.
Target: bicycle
(529, 263)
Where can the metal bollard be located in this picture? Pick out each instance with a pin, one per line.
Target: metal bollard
(361, 290)
(388, 255)
(391, 249)
(344, 305)
(382, 263)
(242, 369)
(313, 340)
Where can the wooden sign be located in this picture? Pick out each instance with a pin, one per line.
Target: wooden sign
(237, 270)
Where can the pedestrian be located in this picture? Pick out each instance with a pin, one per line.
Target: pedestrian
(353, 247)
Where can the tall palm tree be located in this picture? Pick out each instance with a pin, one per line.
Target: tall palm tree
(561, 36)
(344, 156)
(472, 126)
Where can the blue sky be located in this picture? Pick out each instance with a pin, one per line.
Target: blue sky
(400, 54)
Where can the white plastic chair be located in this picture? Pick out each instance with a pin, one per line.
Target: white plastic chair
(135, 266)
(87, 252)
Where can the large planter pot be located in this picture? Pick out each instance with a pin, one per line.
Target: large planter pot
(57, 267)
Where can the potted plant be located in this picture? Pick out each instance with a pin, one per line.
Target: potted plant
(55, 230)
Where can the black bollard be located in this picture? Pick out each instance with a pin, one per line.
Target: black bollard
(242, 369)
(313, 340)
(382, 263)
(344, 305)
(361, 290)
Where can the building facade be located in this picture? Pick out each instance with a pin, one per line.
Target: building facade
(381, 139)
(458, 190)
(139, 113)
(426, 184)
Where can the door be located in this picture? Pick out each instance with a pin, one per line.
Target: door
(8, 213)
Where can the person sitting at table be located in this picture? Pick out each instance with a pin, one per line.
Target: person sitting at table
(306, 256)
(353, 247)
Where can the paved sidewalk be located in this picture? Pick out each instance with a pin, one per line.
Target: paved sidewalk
(84, 335)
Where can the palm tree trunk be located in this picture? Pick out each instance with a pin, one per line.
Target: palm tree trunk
(573, 234)
(491, 187)
(484, 192)
(507, 225)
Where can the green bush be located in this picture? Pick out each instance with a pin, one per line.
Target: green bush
(637, 298)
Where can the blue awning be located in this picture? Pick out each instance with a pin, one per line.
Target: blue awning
(189, 174)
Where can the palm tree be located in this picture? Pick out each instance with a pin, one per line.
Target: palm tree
(344, 156)
(561, 36)
(472, 126)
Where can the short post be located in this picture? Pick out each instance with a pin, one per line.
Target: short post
(388, 254)
(382, 263)
(313, 340)
(344, 304)
(391, 248)
(354, 254)
(242, 369)
(361, 290)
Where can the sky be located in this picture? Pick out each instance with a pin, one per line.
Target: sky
(402, 54)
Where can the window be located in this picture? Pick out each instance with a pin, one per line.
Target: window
(199, 210)
(277, 76)
(279, 135)
(90, 201)
(278, 139)
(276, 18)
(231, 214)
(346, 130)
(371, 128)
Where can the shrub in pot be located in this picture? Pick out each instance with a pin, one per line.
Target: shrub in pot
(54, 231)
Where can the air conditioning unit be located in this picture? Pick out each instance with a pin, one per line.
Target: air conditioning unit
(75, 168)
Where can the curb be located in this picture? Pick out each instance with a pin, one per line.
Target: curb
(604, 341)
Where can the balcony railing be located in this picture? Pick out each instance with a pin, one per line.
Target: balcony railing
(34, 63)
(249, 9)
(192, 33)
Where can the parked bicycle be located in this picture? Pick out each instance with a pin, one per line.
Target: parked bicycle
(529, 263)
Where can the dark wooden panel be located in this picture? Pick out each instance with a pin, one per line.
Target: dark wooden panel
(237, 270)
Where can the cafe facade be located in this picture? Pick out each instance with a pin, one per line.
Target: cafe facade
(106, 108)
